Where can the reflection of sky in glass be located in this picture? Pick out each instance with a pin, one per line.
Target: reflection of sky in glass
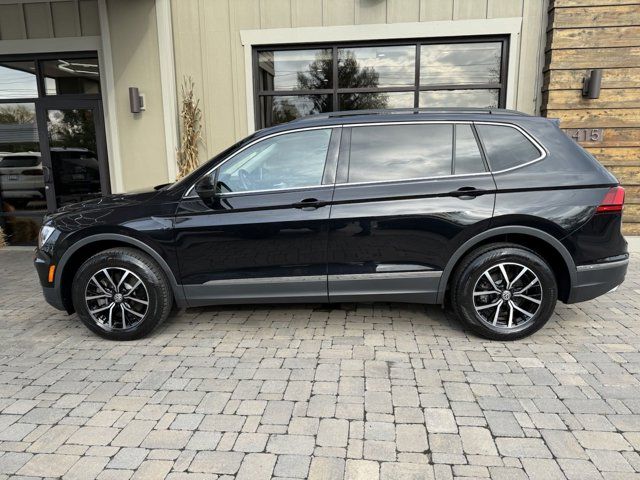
(460, 63)
(468, 159)
(348, 101)
(506, 147)
(395, 66)
(459, 98)
(282, 67)
(17, 83)
(286, 161)
(400, 152)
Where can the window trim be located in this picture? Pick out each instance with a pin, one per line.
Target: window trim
(416, 88)
(345, 157)
(543, 151)
(190, 192)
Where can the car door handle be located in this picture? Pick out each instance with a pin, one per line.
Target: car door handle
(468, 193)
(309, 204)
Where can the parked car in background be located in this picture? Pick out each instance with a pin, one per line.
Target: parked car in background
(21, 178)
(495, 213)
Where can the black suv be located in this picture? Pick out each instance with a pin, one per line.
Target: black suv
(495, 212)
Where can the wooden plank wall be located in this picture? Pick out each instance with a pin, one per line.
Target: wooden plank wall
(586, 34)
(208, 48)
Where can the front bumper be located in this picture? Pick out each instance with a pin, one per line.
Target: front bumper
(597, 279)
(51, 291)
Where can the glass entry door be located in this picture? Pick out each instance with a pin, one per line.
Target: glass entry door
(52, 142)
(73, 150)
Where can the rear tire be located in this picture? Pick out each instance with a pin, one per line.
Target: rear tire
(121, 294)
(503, 291)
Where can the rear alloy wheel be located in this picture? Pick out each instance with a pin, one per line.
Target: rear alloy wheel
(504, 291)
(121, 294)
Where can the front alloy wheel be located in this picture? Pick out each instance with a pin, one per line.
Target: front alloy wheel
(121, 294)
(116, 298)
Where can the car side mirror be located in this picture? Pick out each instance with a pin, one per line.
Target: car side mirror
(205, 188)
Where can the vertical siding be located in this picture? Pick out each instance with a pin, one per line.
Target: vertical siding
(585, 34)
(207, 44)
(70, 18)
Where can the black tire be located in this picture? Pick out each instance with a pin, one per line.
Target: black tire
(155, 287)
(468, 274)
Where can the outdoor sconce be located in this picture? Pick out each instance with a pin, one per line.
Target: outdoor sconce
(136, 100)
(591, 83)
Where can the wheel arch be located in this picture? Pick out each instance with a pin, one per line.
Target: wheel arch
(549, 247)
(83, 249)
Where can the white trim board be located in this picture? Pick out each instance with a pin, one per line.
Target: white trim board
(109, 102)
(168, 85)
(388, 31)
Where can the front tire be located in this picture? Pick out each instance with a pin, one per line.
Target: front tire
(504, 291)
(121, 294)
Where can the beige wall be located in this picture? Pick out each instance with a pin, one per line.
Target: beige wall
(134, 51)
(208, 48)
(20, 21)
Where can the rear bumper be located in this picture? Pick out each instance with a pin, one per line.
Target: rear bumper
(597, 279)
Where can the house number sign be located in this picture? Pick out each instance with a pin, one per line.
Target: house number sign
(594, 135)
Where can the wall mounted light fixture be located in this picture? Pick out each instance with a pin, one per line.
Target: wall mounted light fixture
(136, 100)
(591, 83)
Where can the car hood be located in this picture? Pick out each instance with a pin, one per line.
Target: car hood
(107, 202)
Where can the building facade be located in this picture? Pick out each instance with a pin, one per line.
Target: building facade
(67, 131)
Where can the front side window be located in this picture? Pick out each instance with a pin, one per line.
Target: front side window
(506, 147)
(292, 82)
(291, 160)
(400, 152)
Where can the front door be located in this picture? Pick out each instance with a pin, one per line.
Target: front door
(73, 150)
(264, 236)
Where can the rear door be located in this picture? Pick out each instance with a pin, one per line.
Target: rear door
(405, 194)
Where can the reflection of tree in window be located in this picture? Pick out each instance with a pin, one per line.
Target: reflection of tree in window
(349, 73)
(75, 128)
(16, 114)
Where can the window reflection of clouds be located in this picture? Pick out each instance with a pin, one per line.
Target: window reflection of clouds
(18, 80)
(460, 98)
(395, 66)
(400, 152)
(283, 67)
(357, 101)
(286, 161)
(461, 63)
(506, 147)
(468, 159)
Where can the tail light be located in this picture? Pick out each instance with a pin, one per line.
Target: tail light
(613, 201)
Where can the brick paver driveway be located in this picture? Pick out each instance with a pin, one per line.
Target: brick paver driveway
(360, 392)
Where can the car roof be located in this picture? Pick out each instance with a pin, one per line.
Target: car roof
(399, 115)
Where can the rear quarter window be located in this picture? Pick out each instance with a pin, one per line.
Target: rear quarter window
(506, 147)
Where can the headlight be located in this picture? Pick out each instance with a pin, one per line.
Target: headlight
(45, 233)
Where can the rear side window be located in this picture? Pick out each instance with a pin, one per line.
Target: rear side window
(399, 152)
(467, 154)
(506, 147)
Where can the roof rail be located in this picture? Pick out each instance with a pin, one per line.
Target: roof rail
(400, 111)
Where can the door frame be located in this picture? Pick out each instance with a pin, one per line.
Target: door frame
(70, 102)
